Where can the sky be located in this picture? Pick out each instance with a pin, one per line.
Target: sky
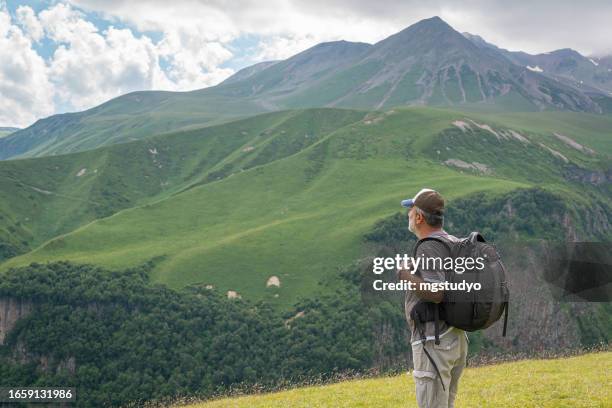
(60, 56)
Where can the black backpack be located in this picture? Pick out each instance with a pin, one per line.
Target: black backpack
(477, 309)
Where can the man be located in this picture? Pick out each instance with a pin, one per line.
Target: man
(435, 388)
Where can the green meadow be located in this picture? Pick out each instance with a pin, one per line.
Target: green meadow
(287, 194)
(576, 382)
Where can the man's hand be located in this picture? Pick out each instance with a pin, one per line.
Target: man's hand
(405, 273)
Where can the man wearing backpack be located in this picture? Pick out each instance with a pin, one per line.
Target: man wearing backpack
(438, 363)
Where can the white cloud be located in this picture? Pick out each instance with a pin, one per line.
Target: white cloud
(280, 47)
(194, 61)
(286, 27)
(194, 37)
(65, 25)
(90, 67)
(530, 26)
(25, 90)
(95, 68)
(31, 26)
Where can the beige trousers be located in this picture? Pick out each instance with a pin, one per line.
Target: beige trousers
(450, 357)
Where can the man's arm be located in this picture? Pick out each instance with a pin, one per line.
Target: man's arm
(428, 295)
(429, 249)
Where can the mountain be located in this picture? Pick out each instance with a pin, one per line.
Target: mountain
(5, 131)
(605, 61)
(291, 194)
(248, 72)
(590, 75)
(123, 119)
(296, 74)
(142, 114)
(428, 63)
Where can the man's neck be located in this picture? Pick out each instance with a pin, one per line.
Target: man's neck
(427, 231)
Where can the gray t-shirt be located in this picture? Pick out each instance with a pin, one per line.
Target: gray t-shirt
(428, 249)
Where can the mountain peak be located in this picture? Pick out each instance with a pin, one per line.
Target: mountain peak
(432, 36)
(430, 25)
(429, 29)
(435, 20)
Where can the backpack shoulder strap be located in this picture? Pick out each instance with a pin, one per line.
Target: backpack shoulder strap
(443, 241)
(436, 307)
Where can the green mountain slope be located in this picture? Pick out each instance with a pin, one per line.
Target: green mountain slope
(5, 131)
(127, 118)
(293, 196)
(428, 63)
(52, 195)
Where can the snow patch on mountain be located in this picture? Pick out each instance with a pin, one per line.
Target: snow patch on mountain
(534, 69)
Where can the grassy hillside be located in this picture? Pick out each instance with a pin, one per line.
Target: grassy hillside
(123, 119)
(567, 382)
(287, 194)
(327, 193)
(49, 196)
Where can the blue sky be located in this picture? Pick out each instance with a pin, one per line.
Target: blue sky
(68, 55)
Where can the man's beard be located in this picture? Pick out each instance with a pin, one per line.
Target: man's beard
(410, 225)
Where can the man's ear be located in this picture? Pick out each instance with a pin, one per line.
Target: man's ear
(418, 217)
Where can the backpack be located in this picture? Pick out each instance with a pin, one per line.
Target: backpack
(477, 309)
